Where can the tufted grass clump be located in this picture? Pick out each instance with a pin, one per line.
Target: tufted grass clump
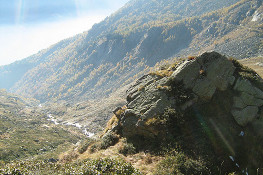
(111, 123)
(91, 167)
(85, 144)
(162, 73)
(247, 73)
(191, 58)
(126, 148)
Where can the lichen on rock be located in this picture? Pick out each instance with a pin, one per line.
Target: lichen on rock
(209, 93)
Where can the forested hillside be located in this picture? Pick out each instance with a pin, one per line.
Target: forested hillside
(168, 110)
(125, 45)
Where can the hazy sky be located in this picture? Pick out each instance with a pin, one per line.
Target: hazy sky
(27, 26)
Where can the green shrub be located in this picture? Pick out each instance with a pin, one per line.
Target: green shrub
(84, 146)
(180, 164)
(246, 72)
(109, 139)
(94, 147)
(127, 148)
(91, 167)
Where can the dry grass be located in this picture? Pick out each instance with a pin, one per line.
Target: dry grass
(253, 63)
(141, 88)
(145, 162)
(113, 121)
(163, 73)
(191, 57)
(152, 121)
(68, 156)
(168, 88)
(121, 111)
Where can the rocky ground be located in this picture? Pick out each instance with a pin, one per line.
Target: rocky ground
(209, 101)
(201, 115)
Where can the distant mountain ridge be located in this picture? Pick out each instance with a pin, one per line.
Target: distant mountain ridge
(125, 45)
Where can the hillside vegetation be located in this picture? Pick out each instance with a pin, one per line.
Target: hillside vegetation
(255, 64)
(123, 47)
(208, 116)
(26, 133)
(84, 77)
(175, 121)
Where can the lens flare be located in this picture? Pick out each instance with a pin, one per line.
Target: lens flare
(222, 137)
(210, 133)
(20, 11)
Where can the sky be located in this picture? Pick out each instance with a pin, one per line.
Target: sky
(28, 26)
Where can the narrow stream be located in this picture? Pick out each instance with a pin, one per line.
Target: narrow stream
(77, 125)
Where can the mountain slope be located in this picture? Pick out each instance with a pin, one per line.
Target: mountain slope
(123, 46)
(13, 72)
(25, 132)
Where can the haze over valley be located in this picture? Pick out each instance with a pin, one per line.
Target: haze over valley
(135, 91)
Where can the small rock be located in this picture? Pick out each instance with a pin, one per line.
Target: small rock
(52, 160)
(246, 115)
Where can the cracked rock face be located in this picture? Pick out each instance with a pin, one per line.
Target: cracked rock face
(248, 102)
(217, 74)
(209, 93)
(191, 82)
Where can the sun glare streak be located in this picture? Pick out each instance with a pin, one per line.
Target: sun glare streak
(29, 33)
(20, 11)
(205, 127)
(77, 5)
(211, 135)
(222, 137)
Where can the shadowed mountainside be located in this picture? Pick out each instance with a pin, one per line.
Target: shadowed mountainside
(123, 47)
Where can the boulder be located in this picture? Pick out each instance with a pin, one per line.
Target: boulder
(210, 99)
(205, 74)
(193, 82)
(245, 115)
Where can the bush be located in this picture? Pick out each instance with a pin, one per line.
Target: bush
(84, 146)
(127, 148)
(91, 167)
(69, 156)
(180, 164)
(94, 147)
(109, 139)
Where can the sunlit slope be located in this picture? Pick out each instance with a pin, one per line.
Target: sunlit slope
(25, 132)
(254, 63)
(125, 45)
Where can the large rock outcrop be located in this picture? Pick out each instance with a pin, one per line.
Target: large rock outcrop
(211, 95)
